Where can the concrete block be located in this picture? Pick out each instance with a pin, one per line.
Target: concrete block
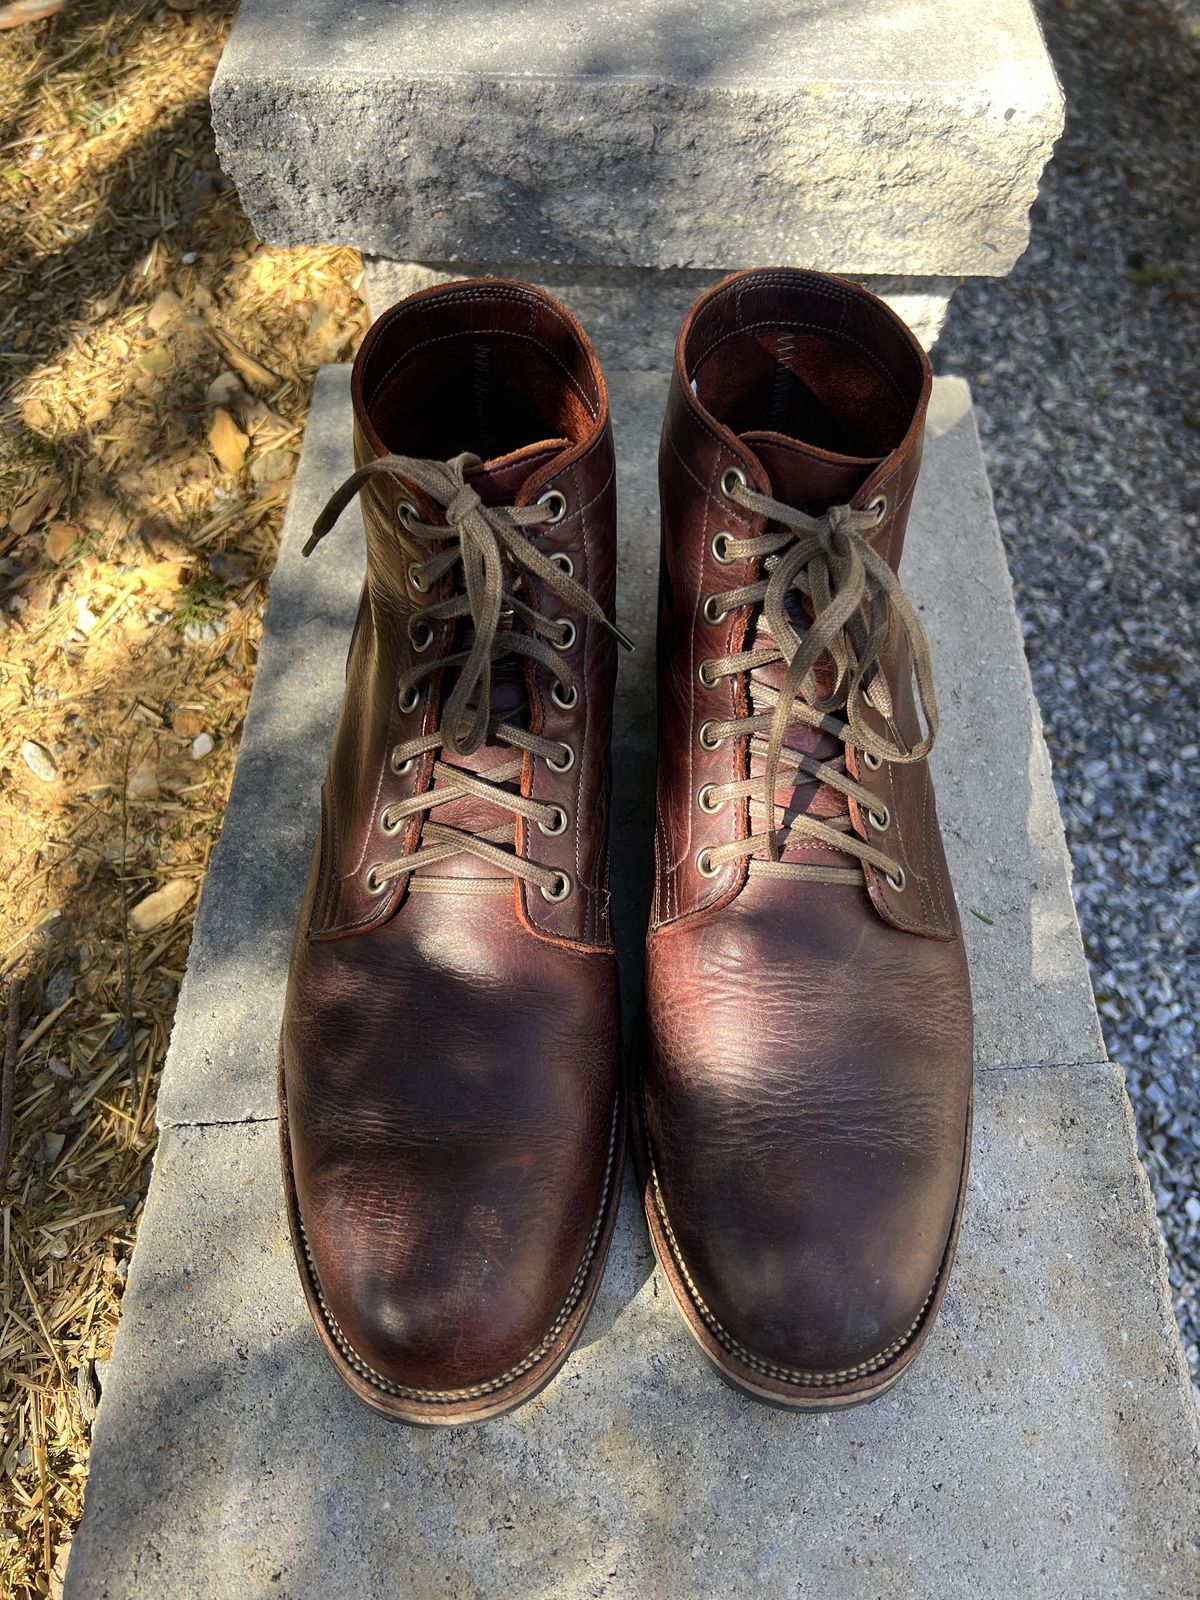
(890, 138)
(1033, 1000)
(1044, 1446)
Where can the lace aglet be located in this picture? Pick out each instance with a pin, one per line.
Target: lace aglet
(320, 528)
(623, 639)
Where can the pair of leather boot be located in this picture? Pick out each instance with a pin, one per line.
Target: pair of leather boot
(452, 1095)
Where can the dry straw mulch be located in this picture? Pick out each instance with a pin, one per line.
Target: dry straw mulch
(155, 368)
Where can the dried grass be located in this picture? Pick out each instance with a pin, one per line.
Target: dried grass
(132, 574)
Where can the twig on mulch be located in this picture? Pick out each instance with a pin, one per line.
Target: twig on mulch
(9, 1074)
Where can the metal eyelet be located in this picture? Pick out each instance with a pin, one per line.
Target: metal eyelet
(569, 635)
(561, 559)
(879, 506)
(559, 825)
(730, 477)
(400, 767)
(420, 636)
(873, 762)
(704, 865)
(720, 548)
(706, 802)
(896, 883)
(567, 762)
(560, 891)
(559, 696)
(414, 577)
(410, 699)
(708, 741)
(556, 501)
(387, 826)
(712, 613)
(879, 820)
(408, 513)
(702, 673)
(373, 882)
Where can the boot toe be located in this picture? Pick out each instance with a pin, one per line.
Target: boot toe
(450, 1332)
(816, 1311)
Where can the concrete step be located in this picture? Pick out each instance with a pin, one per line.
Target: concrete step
(895, 138)
(1045, 1445)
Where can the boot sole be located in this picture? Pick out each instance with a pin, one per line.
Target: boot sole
(447, 1408)
(832, 1392)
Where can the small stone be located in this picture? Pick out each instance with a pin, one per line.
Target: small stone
(187, 722)
(85, 618)
(156, 362)
(39, 761)
(227, 441)
(167, 309)
(202, 746)
(230, 567)
(160, 907)
(225, 388)
(273, 466)
(59, 989)
(61, 539)
(143, 784)
(35, 414)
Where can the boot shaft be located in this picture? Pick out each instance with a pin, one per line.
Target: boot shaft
(501, 373)
(811, 391)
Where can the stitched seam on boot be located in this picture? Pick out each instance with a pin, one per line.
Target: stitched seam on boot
(448, 1396)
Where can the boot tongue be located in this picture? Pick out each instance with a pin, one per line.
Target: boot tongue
(497, 483)
(811, 480)
(807, 477)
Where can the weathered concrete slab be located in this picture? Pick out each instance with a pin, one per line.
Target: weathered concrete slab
(633, 314)
(890, 138)
(1042, 1447)
(1046, 1443)
(1033, 1000)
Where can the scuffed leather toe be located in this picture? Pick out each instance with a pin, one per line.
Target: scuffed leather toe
(833, 1284)
(452, 1173)
(442, 1317)
(807, 1175)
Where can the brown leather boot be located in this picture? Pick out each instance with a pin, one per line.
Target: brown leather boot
(807, 1066)
(449, 1084)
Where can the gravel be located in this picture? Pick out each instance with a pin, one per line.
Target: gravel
(1083, 366)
